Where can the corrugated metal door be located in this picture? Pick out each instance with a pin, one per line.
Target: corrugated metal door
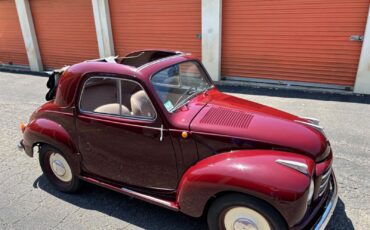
(65, 31)
(165, 24)
(305, 40)
(12, 49)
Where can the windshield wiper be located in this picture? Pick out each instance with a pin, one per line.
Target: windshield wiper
(187, 99)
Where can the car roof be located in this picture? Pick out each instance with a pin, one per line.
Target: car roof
(71, 76)
(110, 64)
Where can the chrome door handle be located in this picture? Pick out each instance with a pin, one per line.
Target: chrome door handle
(161, 136)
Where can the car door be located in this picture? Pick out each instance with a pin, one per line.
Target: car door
(121, 136)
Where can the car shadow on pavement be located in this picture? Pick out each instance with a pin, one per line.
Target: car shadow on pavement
(132, 211)
(340, 220)
(148, 216)
(294, 93)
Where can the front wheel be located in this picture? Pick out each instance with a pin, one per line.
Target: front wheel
(237, 211)
(57, 169)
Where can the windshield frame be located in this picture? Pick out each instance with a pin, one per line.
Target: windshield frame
(204, 74)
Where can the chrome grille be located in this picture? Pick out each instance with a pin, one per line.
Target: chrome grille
(324, 181)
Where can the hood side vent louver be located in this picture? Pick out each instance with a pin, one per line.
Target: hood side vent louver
(227, 117)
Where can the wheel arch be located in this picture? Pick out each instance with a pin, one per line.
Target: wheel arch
(229, 193)
(251, 172)
(42, 132)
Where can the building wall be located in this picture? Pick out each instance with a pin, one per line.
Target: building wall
(305, 42)
(65, 31)
(143, 24)
(12, 48)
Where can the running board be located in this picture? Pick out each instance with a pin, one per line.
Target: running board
(164, 203)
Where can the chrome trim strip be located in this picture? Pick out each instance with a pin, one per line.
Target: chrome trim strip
(298, 166)
(323, 185)
(325, 176)
(312, 119)
(172, 205)
(168, 204)
(161, 60)
(324, 219)
(318, 127)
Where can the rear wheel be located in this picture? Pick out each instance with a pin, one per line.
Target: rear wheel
(57, 169)
(237, 211)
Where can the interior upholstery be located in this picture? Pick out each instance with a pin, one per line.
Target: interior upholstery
(128, 89)
(96, 95)
(100, 95)
(113, 108)
(141, 105)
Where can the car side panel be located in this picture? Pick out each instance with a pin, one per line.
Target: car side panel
(253, 172)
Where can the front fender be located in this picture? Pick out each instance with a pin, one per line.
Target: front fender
(46, 131)
(252, 172)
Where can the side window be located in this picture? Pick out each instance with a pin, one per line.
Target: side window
(135, 99)
(100, 95)
(116, 97)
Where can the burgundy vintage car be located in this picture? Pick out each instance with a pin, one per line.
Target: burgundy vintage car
(152, 125)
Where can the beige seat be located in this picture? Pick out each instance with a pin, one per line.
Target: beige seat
(113, 108)
(141, 105)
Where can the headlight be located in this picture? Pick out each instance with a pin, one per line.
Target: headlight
(310, 192)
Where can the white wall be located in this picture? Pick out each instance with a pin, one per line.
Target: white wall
(103, 27)
(29, 35)
(211, 37)
(362, 84)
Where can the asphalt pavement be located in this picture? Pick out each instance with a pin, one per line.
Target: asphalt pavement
(28, 201)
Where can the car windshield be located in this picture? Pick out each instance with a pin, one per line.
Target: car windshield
(177, 84)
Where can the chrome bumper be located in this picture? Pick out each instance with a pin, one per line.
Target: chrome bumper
(20, 146)
(329, 207)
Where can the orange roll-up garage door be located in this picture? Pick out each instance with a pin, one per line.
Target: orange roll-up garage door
(306, 41)
(12, 49)
(165, 24)
(65, 31)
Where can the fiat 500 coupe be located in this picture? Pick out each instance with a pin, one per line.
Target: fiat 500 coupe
(152, 125)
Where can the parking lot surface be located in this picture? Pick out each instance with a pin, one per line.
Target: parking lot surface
(27, 201)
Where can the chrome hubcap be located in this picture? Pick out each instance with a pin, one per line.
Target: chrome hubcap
(60, 167)
(244, 218)
(244, 224)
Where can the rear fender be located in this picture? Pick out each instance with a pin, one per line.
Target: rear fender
(252, 172)
(46, 131)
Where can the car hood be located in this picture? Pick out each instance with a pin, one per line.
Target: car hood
(226, 115)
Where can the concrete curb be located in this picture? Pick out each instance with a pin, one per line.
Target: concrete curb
(249, 88)
(257, 85)
(22, 70)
